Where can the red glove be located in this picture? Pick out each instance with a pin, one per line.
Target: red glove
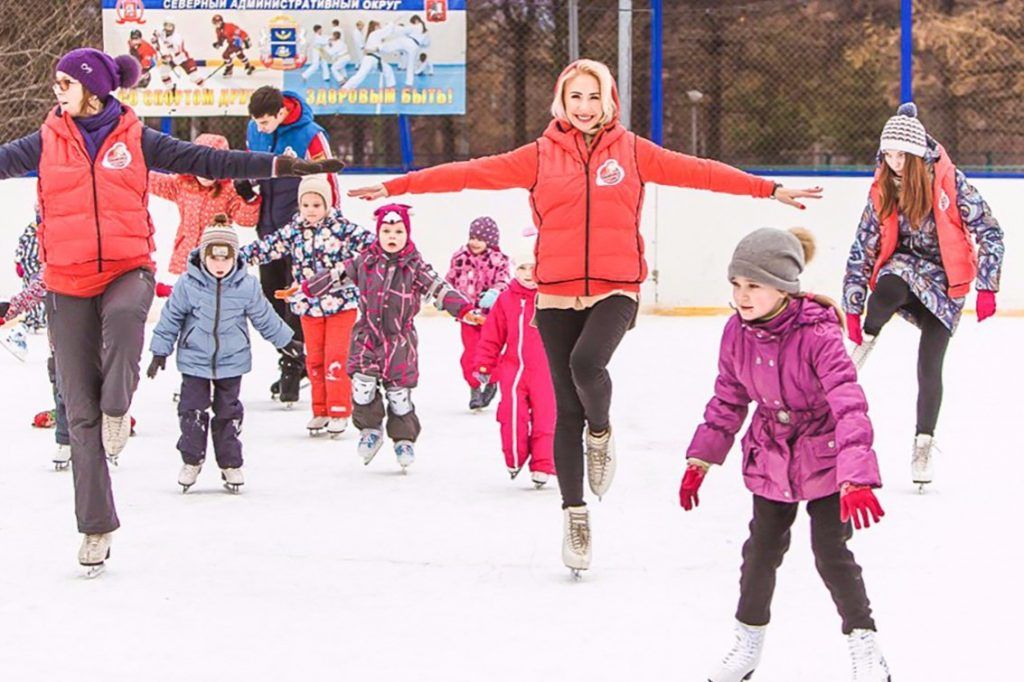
(471, 315)
(692, 479)
(986, 304)
(163, 290)
(18, 268)
(853, 328)
(856, 502)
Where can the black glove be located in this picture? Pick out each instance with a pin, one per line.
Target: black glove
(289, 166)
(248, 43)
(4, 307)
(216, 45)
(158, 363)
(245, 189)
(323, 281)
(292, 350)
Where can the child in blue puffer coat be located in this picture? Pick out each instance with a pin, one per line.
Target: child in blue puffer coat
(206, 315)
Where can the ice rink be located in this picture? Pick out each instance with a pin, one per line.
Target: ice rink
(325, 569)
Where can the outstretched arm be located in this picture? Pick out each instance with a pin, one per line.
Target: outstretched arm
(20, 156)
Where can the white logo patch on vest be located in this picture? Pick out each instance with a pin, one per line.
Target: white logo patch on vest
(610, 173)
(943, 201)
(117, 157)
(288, 151)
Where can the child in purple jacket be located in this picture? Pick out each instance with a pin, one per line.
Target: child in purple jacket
(392, 279)
(810, 440)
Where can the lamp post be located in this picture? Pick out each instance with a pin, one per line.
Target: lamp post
(695, 97)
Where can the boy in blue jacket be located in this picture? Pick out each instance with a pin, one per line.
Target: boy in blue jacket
(206, 315)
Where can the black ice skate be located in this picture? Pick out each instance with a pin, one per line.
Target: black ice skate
(487, 393)
(291, 380)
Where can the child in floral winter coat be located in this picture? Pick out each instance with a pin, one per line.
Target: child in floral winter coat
(511, 352)
(199, 200)
(392, 279)
(319, 237)
(480, 272)
(810, 440)
(27, 265)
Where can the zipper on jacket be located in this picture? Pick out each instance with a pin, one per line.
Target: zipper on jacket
(586, 248)
(96, 216)
(515, 384)
(216, 325)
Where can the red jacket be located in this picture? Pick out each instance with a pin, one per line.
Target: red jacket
(955, 246)
(586, 204)
(87, 243)
(197, 205)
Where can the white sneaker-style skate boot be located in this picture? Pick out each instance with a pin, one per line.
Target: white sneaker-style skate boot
(188, 475)
(405, 453)
(62, 457)
(600, 461)
(576, 540)
(921, 462)
(95, 550)
(336, 426)
(860, 353)
(116, 431)
(15, 342)
(539, 478)
(741, 661)
(370, 442)
(866, 657)
(316, 425)
(233, 479)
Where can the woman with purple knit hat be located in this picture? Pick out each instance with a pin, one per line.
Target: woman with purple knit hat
(479, 271)
(93, 155)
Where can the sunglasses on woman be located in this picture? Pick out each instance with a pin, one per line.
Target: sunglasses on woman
(63, 84)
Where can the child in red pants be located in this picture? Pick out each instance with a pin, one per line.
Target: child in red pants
(510, 351)
(479, 271)
(319, 238)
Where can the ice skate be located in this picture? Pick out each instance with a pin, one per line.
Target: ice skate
(487, 393)
(249, 69)
(370, 442)
(229, 69)
(576, 540)
(275, 389)
(475, 399)
(405, 454)
(860, 353)
(316, 425)
(600, 461)
(741, 661)
(94, 552)
(188, 475)
(176, 397)
(291, 380)
(539, 479)
(513, 472)
(116, 431)
(866, 657)
(233, 479)
(336, 426)
(15, 342)
(62, 457)
(921, 462)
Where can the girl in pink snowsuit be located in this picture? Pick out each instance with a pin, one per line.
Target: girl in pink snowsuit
(479, 271)
(510, 352)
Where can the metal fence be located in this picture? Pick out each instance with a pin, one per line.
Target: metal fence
(791, 85)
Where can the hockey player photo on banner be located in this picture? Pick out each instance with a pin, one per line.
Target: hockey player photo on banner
(206, 57)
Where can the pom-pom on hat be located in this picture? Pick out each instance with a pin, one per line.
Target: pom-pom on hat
(903, 132)
(219, 239)
(773, 257)
(98, 72)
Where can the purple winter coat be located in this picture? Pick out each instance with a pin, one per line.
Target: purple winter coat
(810, 432)
(391, 288)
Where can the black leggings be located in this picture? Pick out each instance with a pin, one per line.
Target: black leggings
(891, 294)
(579, 344)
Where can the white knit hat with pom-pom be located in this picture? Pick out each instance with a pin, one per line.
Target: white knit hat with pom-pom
(903, 132)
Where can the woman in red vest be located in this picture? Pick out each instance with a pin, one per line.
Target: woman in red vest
(586, 177)
(93, 156)
(914, 251)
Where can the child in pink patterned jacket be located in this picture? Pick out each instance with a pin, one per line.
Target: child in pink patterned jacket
(809, 440)
(479, 271)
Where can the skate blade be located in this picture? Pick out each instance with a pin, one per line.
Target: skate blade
(313, 433)
(921, 486)
(184, 488)
(60, 466)
(335, 435)
(176, 397)
(112, 459)
(538, 486)
(233, 488)
(576, 574)
(92, 572)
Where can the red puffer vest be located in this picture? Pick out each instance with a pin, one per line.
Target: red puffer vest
(955, 246)
(96, 225)
(587, 207)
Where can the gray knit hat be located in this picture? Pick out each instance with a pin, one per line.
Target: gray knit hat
(221, 233)
(903, 132)
(772, 257)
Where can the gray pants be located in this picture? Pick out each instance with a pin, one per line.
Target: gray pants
(97, 345)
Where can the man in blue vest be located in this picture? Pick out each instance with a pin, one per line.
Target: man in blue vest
(283, 123)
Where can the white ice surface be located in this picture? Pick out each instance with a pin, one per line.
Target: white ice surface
(325, 569)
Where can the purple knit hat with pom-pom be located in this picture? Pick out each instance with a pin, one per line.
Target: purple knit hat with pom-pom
(99, 72)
